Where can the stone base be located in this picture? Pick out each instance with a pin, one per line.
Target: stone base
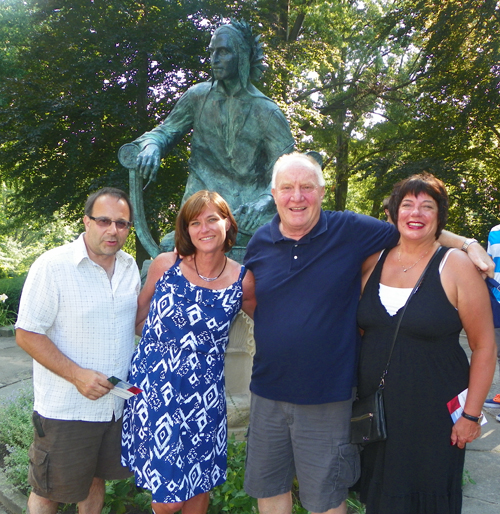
(11, 498)
(238, 371)
(7, 331)
(240, 433)
(238, 409)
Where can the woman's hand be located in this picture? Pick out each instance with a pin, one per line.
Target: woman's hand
(464, 431)
(467, 291)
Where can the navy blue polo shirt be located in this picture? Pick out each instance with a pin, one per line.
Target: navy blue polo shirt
(307, 294)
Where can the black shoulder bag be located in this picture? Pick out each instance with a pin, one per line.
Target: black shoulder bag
(368, 417)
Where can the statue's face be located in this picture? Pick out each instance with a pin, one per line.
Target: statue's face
(223, 57)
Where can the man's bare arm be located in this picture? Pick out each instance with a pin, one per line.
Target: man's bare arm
(477, 254)
(91, 384)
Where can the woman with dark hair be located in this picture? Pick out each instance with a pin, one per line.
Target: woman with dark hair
(418, 469)
(175, 432)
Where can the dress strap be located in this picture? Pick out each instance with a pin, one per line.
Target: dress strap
(445, 258)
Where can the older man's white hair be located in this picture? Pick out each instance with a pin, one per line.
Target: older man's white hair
(288, 159)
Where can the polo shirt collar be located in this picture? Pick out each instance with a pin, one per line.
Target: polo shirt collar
(318, 229)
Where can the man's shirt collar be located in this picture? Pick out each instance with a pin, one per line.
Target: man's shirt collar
(318, 229)
(81, 254)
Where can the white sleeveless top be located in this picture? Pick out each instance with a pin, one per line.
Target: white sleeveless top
(393, 298)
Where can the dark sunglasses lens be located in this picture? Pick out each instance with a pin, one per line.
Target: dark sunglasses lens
(103, 222)
(106, 222)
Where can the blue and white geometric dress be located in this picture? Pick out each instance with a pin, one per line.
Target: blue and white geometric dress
(175, 432)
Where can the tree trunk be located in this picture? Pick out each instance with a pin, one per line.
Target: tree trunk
(342, 165)
(377, 201)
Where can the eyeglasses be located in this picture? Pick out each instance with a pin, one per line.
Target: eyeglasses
(106, 222)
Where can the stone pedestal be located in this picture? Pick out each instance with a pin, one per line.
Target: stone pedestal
(7, 331)
(238, 370)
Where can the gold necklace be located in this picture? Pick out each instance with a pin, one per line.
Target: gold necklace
(415, 263)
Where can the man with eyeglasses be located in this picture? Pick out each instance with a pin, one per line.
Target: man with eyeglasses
(77, 319)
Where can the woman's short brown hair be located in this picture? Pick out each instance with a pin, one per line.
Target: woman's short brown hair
(191, 209)
(416, 184)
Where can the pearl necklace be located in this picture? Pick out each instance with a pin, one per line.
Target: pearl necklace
(415, 263)
(209, 279)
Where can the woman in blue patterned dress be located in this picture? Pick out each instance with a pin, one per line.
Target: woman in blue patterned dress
(175, 432)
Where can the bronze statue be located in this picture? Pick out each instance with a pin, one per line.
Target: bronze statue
(238, 133)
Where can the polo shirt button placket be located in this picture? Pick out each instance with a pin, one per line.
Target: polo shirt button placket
(295, 259)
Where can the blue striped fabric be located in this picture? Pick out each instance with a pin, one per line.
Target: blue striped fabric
(494, 249)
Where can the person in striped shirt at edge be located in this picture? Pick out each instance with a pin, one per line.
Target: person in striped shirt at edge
(494, 253)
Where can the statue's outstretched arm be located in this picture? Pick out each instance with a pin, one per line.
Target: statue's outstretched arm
(154, 145)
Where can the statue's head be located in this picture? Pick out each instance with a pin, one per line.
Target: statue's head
(234, 51)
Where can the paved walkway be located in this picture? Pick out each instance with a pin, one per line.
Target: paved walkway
(482, 461)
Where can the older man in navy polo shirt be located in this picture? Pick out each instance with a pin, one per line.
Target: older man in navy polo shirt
(307, 265)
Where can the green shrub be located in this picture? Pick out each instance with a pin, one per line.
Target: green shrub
(15, 419)
(7, 317)
(124, 496)
(16, 467)
(12, 287)
(16, 435)
(230, 496)
(354, 506)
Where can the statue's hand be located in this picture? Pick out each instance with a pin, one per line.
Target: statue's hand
(250, 216)
(148, 162)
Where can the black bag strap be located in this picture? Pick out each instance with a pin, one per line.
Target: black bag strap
(414, 290)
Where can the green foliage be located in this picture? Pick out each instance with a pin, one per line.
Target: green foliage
(124, 496)
(12, 287)
(95, 76)
(16, 435)
(16, 467)
(7, 317)
(21, 242)
(379, 88)
(230, 496)
(354, 506)
(466, 478)
(20, 247)
(15, 419)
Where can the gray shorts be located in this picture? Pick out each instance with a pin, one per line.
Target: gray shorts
(309, 441)
(64, 462)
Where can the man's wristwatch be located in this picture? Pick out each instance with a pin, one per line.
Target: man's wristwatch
(467, 243)
(476, 419)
